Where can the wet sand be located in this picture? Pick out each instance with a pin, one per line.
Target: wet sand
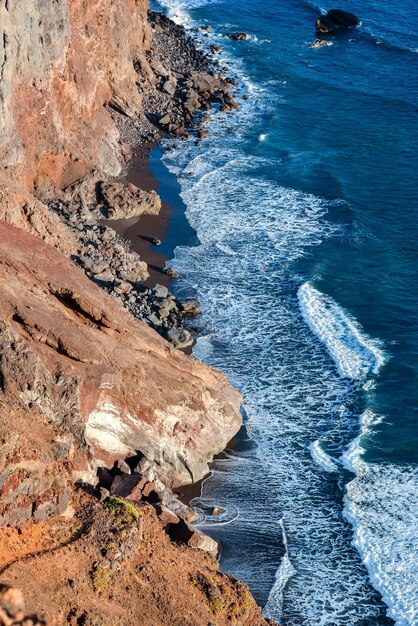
(141, 231)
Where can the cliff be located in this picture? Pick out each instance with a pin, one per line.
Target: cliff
(61, 62)
(99, 414)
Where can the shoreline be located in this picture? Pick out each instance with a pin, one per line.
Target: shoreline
(140, 231)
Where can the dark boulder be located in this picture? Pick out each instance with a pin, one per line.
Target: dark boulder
(239, 36)
(336, 19)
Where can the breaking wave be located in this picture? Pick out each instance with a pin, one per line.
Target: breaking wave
(354, 353)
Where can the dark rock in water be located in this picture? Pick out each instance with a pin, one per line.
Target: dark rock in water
(170, 271)
(318, 43)
(336, 19)
(191, 308)
(180, 338)
(239, 36)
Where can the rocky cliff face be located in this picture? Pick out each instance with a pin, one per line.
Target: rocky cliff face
(84, 384)
(101, 376)
(61, 62)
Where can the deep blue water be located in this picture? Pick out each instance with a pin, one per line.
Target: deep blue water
(307, 270)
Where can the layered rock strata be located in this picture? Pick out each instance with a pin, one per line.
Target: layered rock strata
(97, 373)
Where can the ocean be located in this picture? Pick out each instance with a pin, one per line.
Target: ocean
(305, 206)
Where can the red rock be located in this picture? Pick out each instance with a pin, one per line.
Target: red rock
(165, 515)
(147, 489)
(120, 393)
(128, 486)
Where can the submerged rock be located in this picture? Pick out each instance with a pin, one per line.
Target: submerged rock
(336, 19)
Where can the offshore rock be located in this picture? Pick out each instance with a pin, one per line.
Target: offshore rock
(95, 372)
(336, 19)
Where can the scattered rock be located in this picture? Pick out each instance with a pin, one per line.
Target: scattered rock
(122, 288)
(105, 277)
(159, 69)
(165, 120)
(170, 86)
(191, 307)
(170, 271)
(123, 467)
(336, 19)
(166, 515)
(160, 291)
(184, 532)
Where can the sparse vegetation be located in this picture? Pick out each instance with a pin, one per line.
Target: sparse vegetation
(101, 578)
(121, 508)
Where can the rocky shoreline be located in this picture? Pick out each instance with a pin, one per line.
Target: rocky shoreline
(100, 417)
(187, 84)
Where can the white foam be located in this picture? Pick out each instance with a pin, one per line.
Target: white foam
(321, 458)
(382, 505)
(274, 606)
(355, 354)
(250, 330)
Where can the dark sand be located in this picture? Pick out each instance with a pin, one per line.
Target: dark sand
(141, 231)
(170, 226)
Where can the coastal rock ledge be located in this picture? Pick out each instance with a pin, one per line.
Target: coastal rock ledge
(68, 349)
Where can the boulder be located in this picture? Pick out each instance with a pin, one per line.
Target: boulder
(180, 338)
(191, 307)
(160, 291)
(172, 502)
(124, 200)
(170, 271)
(166, 307)
(105, 277)
(184, 532)
(128, 486)
(239, 36)
(336, 19)
(170, 86)
(164, 120)
(166, 515)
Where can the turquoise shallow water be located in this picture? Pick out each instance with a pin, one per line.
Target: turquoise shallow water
(306, 267)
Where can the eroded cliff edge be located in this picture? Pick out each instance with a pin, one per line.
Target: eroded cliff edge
(84, 383)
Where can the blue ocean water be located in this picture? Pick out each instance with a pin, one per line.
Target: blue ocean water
(305, 204)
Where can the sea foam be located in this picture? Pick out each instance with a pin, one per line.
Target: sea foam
(250, 231)
(355, 354)
(385, 535)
